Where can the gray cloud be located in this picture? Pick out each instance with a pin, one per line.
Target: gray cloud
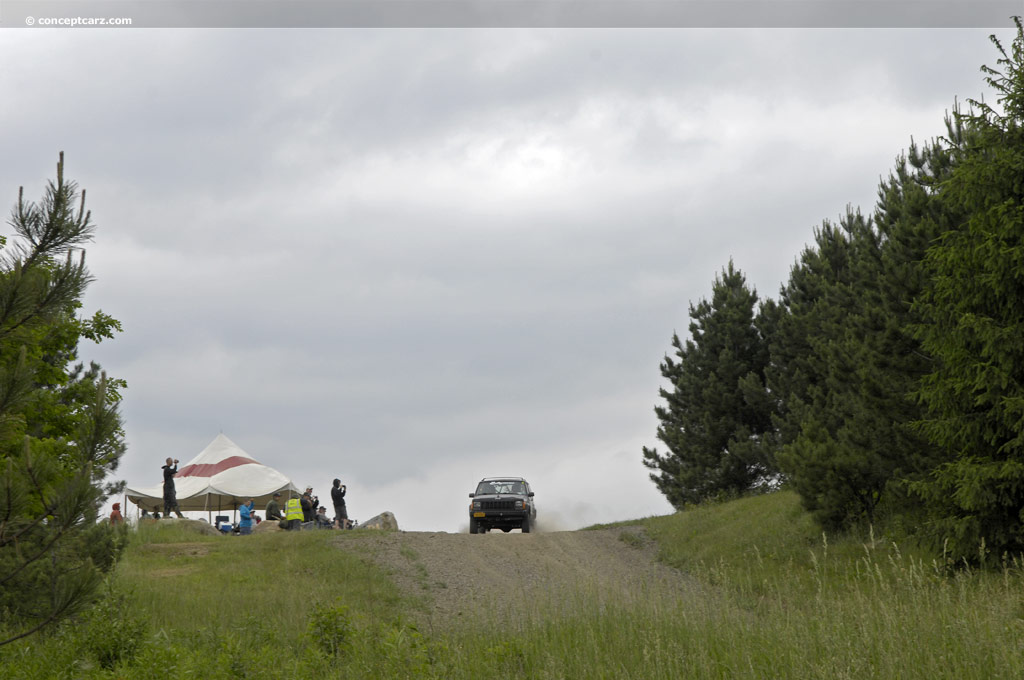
(415, 258)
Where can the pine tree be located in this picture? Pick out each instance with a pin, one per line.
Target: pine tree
(972, 322)
(60, 430)
(716, 411)
(815, 370)
(911, 214)
(843, 363)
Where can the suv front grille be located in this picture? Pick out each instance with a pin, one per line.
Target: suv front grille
(499, 505)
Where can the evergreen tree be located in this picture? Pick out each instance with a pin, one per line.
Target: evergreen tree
(972, 322)
(814, 373)
(716, 412)
(843, 364)
(911, 214)
(60, 430)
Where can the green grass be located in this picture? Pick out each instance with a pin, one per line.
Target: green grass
(802, 604)
(773, 597)
(765, 595)
(268, 582)
(185, 604)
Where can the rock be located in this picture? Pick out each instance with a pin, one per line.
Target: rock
(385, 521)
(265, 526)
(196, 525)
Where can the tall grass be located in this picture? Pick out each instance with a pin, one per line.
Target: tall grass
(761, 594)
(185, 604)
(775, 598)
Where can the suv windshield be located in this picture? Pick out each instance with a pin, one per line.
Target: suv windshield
(500, 486)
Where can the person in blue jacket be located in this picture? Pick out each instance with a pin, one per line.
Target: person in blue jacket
(245, 518)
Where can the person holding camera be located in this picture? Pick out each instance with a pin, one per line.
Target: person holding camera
(309, 504)
(170, 493)
(338, 499)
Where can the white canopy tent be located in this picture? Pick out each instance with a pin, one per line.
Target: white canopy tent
(220, 478)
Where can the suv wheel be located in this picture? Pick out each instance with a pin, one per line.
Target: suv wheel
(472, 525)
(526, 524)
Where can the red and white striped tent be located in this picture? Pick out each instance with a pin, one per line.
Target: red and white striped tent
(220, 478)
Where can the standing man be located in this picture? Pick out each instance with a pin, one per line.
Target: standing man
(308, 506)
(170, 494)
(338, 498)
(245, 518)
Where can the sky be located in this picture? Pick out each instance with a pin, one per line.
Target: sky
(413, 258)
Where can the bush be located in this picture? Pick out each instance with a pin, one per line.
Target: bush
(330, 629)
(110, 632)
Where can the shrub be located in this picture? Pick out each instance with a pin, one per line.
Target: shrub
(110, 632)
(330, 628)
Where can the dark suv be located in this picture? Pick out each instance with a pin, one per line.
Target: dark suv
(504, 503)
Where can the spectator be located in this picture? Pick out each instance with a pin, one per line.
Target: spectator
(308, 508)
(245, 518)
(322, 520)
(115, 516)
(274, 508)
(338, 499)
(293, 514)
(170, 493)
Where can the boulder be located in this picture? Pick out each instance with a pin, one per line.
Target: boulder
(265, 526)
(195, 525)
(200, 527)
(385, 521)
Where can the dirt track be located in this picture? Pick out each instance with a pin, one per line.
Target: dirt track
(461, 577)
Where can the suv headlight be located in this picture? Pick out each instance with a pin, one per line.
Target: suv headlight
(519, 505)
(476, 505)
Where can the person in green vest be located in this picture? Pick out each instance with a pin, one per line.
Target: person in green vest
(293, 514)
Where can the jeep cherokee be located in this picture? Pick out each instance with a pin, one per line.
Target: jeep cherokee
(504, 503)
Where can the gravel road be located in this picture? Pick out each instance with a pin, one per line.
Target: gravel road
(460, 579)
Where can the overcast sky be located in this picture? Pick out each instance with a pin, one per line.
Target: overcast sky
(414, 258)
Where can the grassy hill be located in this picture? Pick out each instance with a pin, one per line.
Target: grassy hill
(769, 597)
